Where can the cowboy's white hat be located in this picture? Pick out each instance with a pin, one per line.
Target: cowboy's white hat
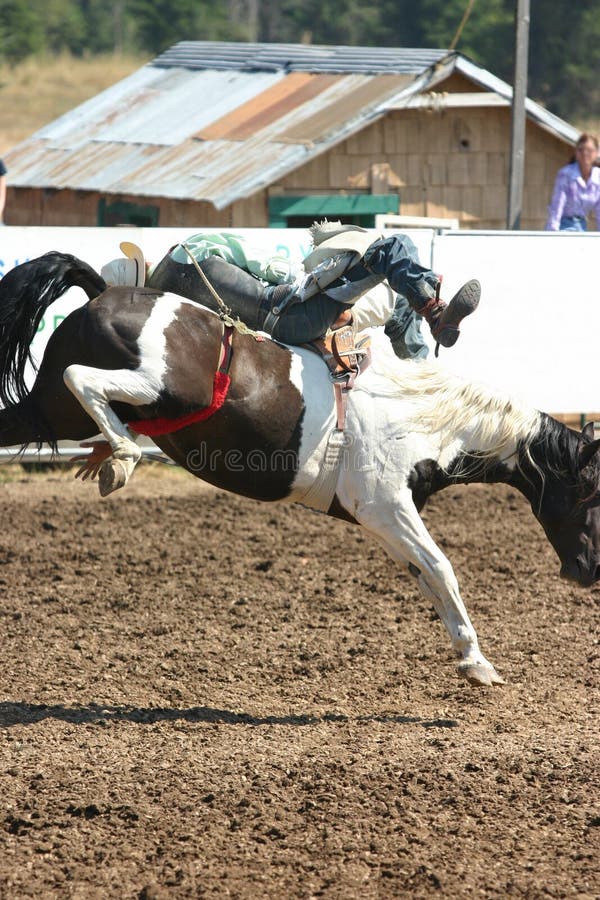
(130, 270)
(332, 238)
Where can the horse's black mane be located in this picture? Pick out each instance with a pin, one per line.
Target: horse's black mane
(554, 453)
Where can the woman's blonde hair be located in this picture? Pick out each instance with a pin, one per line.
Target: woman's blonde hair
(584, 138)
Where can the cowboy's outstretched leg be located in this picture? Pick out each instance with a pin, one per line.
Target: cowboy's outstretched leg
(395, 258)
(404, 331)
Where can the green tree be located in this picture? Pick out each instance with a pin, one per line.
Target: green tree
(108, 26)
(581, 67)
(565, 55)
(161, 23)
(62, 23)
(318, 21)
(487, 37)
(21, 33)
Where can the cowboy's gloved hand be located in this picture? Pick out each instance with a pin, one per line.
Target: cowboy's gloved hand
(92, 462)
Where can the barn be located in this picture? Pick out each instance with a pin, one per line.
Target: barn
(239, 134)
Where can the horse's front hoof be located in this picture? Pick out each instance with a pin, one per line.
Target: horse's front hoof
(480, 673)
(113, 475)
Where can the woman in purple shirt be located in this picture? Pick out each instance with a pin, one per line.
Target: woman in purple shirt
(576, 190)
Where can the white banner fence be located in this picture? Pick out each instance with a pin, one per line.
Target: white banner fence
(535, 335)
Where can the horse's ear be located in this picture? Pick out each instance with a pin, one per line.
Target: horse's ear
(588, 430)
(587, 451)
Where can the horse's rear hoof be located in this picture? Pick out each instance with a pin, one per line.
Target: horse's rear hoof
(113, 475)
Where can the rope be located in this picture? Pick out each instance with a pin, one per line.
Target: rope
(224, 312)
(463, 22)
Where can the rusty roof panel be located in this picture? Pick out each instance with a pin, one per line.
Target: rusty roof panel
(267, 107)
(163, 107)
(354, 97)
(177, 113)
(218, 170)
(258, 169)
(75, 127)
(195, 171)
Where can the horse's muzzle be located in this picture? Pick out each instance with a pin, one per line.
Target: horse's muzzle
(581, 571)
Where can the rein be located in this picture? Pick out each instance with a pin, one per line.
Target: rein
(224, 312)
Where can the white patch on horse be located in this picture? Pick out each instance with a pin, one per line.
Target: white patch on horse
(96, 389)
(401, 413)
(308, 373)
(398, 414)
(152, 343)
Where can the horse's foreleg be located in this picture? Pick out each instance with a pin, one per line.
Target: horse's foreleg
(406, 539)
(96, 389)
(473, 665)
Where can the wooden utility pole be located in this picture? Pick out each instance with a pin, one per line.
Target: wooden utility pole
(516, 171)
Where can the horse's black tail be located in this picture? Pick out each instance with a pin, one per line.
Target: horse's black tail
(25, 294)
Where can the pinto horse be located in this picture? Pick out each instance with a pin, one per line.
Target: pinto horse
(258, 423)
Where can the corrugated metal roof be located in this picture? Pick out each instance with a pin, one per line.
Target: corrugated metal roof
(297, 57)
(219, 121)
(350, 99)
(271, 105)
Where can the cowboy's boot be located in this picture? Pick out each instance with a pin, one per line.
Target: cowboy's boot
(444, 319)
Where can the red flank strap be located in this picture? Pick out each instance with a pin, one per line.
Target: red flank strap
(221, 383)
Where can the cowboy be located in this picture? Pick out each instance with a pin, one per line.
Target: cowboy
(343, 281)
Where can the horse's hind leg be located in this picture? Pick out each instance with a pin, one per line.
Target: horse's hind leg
(96, 389)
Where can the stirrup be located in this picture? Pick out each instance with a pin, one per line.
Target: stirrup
(345, 352)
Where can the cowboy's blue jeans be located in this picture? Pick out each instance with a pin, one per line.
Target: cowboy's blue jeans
(396, 258)
(404, 331)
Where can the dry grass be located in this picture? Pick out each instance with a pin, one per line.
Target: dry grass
(591, 126)
(39, 90)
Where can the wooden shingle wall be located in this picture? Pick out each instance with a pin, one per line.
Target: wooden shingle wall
(31, 206)
(444, 163)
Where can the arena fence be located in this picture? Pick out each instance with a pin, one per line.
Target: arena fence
(535, 334)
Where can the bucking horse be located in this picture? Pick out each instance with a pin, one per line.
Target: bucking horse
(256, 417)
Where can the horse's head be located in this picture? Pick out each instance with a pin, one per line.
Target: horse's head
(569, 506)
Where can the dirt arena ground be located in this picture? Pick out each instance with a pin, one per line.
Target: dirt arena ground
(206, 697)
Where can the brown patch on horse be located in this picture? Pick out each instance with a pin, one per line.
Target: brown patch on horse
(251, 445)
(194, 338)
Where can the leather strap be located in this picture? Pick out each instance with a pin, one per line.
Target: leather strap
(341, 389)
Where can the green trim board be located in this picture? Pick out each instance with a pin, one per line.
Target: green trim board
(123, 212)
(321, 206)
